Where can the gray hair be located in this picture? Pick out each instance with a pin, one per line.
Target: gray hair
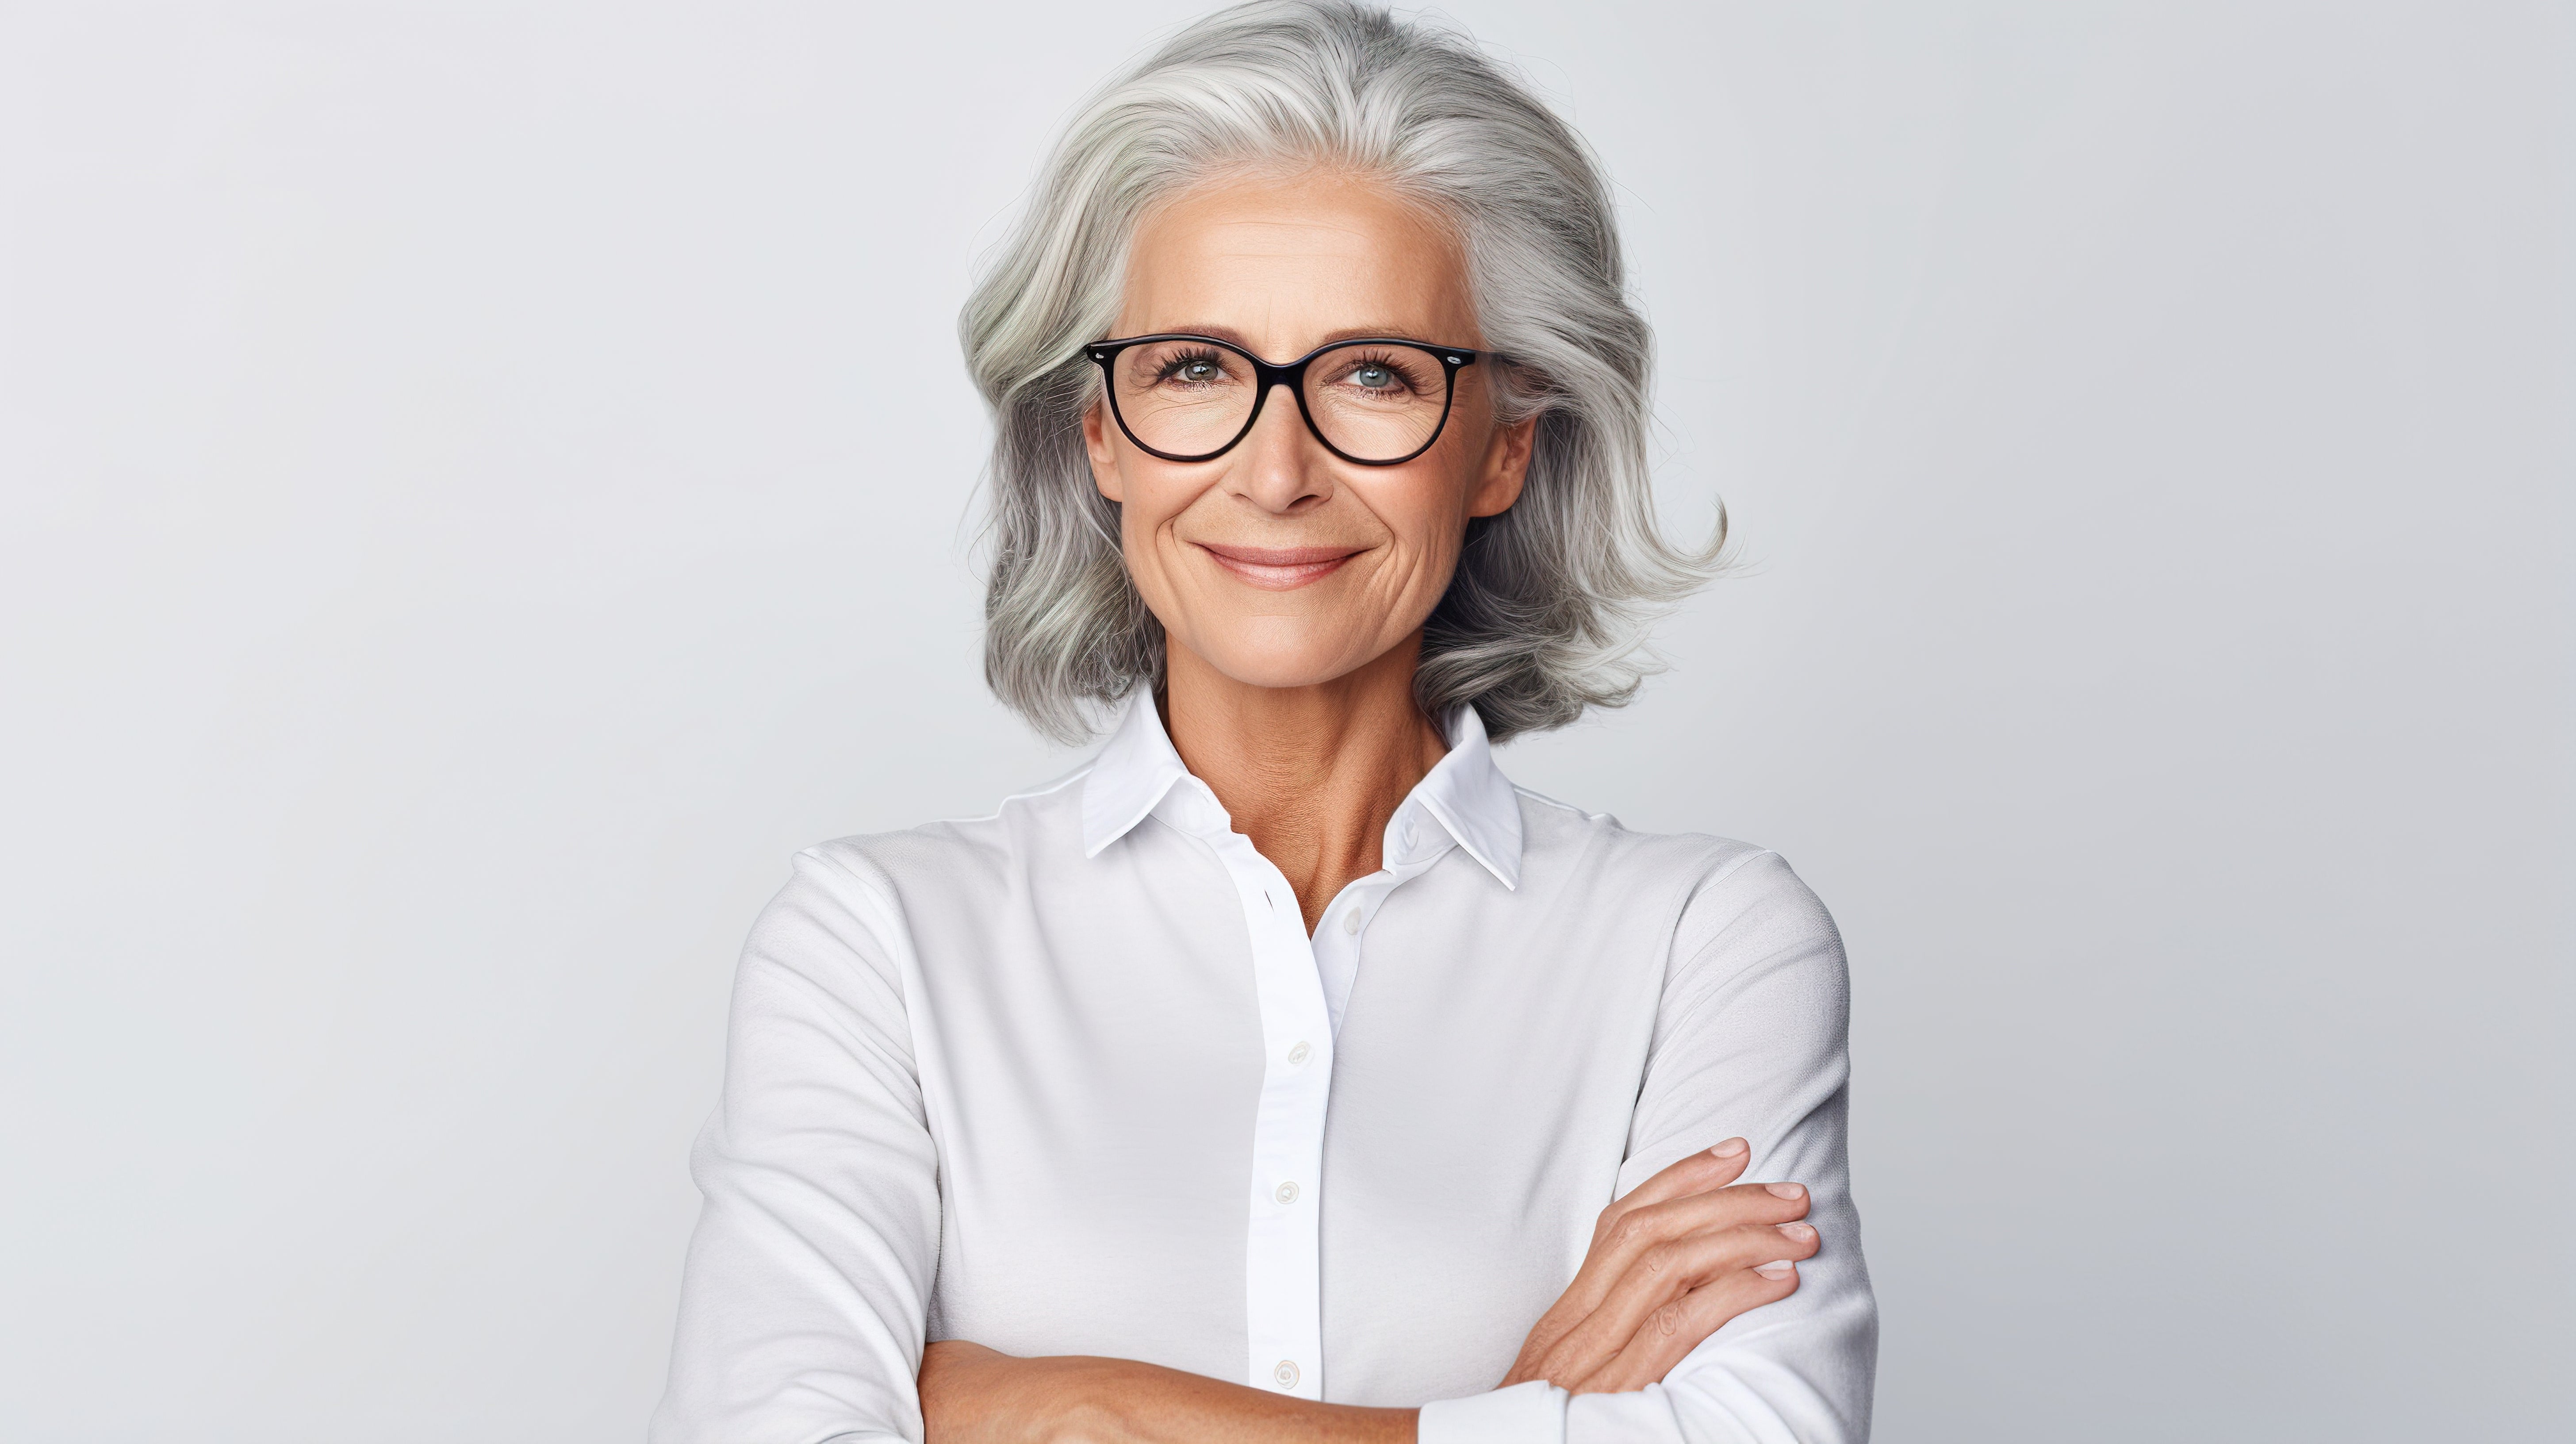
(1552, 600)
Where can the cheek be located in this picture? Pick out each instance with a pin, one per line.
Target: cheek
(1154, 502)
(1149, 501)
(1428, 517)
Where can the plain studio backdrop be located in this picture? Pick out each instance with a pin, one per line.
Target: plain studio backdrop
(484, 484)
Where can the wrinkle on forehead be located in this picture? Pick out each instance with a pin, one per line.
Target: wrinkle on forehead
(1271, 236)
(1295, 263)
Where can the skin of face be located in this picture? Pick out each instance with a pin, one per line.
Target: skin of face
(1278, 564)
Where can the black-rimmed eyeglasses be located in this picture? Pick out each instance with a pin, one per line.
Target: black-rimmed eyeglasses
(1376, 401)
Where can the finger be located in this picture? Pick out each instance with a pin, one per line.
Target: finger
(1669, 1333)
(1616, 1252)
(1690, 1194)
(1663, 1274)
(1668, 1271)
(1702, 1212)
(1710, 1168)
(1627, 1238)
(1616, 1237)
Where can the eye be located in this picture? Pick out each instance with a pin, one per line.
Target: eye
(1194, 368)
(1379, 375)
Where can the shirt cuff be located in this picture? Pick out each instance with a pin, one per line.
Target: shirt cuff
(1531, 1413)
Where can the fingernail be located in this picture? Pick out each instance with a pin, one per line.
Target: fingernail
(1798, 1231)
(1776, 1271)
(1729, 1148)
(1785, 1190)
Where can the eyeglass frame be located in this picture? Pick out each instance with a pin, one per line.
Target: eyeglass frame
(1452, 359)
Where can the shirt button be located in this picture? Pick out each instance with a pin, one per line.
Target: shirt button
(1351, 921)
(1286, 1193)
(1300, 1053)
(1286, 1373)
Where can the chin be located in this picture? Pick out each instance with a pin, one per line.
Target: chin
(1272, 661)
(1269, 669)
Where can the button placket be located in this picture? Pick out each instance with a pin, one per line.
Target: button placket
(1283, 1302)
(1283, 1280)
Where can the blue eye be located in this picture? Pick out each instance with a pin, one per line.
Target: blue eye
(1374, 377)
(1192, 369)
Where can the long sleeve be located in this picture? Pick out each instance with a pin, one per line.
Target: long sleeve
(804, 1303)
(1749, 1040)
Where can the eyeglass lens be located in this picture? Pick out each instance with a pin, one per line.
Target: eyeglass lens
(1373, 401)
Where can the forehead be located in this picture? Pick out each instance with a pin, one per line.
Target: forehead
(1286, 263)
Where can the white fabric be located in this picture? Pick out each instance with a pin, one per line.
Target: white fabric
(1531, 1413)
(1072, 1079)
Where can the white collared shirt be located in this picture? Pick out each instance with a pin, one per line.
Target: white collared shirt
(1073, 1079)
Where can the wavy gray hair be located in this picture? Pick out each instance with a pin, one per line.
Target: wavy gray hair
(1552, 600)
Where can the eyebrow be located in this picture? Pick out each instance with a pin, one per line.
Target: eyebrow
(1348, 333)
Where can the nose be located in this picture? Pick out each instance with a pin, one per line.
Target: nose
(1280, 467)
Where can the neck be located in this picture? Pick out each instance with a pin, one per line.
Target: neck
(1310, 774)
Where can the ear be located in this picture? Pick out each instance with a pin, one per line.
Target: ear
(1104, 459)
(1504, 470)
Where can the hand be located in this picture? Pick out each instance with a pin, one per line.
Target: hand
(1672, 1261)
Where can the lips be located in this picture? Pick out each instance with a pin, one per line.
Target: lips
(1280, 569)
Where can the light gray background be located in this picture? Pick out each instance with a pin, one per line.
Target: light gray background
(485, 483)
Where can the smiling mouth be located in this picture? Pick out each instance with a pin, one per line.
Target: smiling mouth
(1280, 569)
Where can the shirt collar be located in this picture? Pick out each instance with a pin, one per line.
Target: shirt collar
(1474, 800)
(1464, 792)
(1129, 776)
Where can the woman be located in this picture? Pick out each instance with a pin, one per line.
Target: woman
(1286, 1073)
